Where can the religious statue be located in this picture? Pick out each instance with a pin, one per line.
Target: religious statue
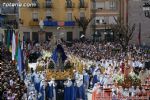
(59, 57)
(41, 24)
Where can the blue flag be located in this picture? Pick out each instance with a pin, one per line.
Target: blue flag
(20, 62)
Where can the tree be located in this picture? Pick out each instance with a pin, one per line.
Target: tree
(83, 22)
(123, 33)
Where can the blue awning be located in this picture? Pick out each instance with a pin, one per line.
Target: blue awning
(50, 23)
(55, 23)
(70, 23)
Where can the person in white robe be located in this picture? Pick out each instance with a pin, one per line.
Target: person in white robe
(76, 75)
(32, 96)
(11, 82)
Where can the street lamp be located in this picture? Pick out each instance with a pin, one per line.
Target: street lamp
(146, 9)
(112, 35)
(95, 35)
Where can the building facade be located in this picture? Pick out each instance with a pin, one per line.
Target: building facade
(137, 16)
(53, 14)
(104, 13)
(8, 18)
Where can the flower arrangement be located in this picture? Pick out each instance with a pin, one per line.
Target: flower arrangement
(119, 79)
(131, 80)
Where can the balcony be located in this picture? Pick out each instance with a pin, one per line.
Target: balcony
(50, 23)
(83, 5)
(12, 23)
(8, 10)
(58, 23)
(70, 5)
(69, 23)
(102, 26)
(34, 22)
(36, 4)
(48, 5)
(102, 11)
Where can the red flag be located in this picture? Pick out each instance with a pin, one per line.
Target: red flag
(16, 38)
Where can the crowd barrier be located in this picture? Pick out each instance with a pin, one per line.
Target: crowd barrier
(122, 98)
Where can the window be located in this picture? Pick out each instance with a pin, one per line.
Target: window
(97, 21)
(48, 13)
(81, 3)
(69, 3)
(48, 1)
(100, 5)
(35, 15)
(112, 4)
(112, 20)
(106, 20)
(69, 16)
(34, 1)
(26, 36)
(0, 10)
(82, 15)
(35, 37)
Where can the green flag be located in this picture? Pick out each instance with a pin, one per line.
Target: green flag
(16, 54)
(8, 39)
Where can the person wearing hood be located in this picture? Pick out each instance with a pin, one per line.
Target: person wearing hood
(69, 91)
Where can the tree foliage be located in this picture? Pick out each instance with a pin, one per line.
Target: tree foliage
(83, 23)
(123, 33)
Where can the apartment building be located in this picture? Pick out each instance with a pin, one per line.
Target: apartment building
(8, 18)
(104, 13)
(137, 15)
(52, 14)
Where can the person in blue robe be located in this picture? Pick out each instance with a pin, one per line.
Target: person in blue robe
(80, 92)
(69, 90)
(86, 79)
(69, 93)
(49, 92)
(37, 83)
(42, 90)
(32, 77)
(95, 80)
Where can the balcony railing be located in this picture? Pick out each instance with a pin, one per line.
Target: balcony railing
(69, 23)
(34, 22)
(56, 23)
(8, 10)
(83, 5)
(13, 23)
(36, 4)
(50, 23)
(104, 10)
(70, 4)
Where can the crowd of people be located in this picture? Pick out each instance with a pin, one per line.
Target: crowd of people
(11, 85)
(104, 65)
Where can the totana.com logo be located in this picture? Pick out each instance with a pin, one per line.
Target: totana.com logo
(19, 4)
